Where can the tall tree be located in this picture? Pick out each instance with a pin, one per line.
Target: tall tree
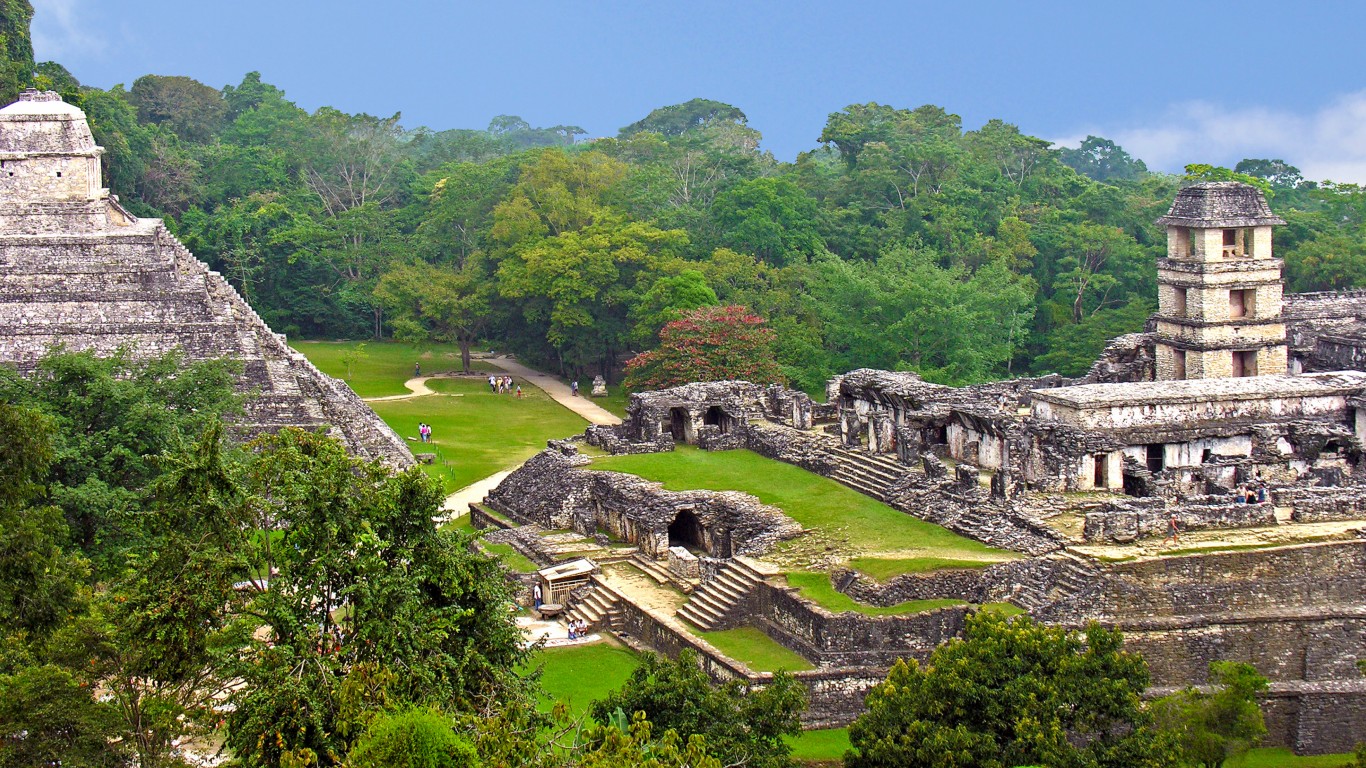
(707, 344)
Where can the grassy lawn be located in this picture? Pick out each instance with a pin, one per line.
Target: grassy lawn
(882, 569)
(479, 432)
(580, 675)
(823, 746)
(755, 649)
(511, 557)
(1280, 757)
(817, 588)
(869, 527)
(382, 366)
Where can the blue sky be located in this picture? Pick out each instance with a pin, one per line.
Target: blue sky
(1172, 82)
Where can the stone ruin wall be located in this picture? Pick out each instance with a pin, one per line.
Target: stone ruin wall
(552, 491)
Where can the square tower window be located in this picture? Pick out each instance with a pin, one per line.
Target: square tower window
(1245, 363)
(1242, 303)
(1178, 364)
(1178, 301)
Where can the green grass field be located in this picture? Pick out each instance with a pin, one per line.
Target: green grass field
(869, 527)
(817, 588)
(823, 746)
(755, 649)
(381, 367)
(580, 675)
(480, 432)
(511, 557)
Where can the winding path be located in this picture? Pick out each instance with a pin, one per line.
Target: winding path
(458, 503)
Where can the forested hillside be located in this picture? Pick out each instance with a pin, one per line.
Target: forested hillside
(899, 241)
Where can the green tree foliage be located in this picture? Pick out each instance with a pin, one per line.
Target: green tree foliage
(191, 110)
(361, 580)
(1213, 727)
(771, 219)
(905, 312)
(412, 738)
(573, 254)
(679, 119)
(1103, 160)
(1009, 693)
(16, 48)
(48, 717)
(110, 417)
(740, 726)
(707, 344)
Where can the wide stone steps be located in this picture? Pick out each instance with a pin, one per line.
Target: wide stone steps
(718, 598)
(599, 609)
(652, 569)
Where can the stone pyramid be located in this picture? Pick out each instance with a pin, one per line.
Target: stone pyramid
(79, 270)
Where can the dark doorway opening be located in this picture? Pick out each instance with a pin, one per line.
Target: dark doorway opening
(1100, 460)
(715, 417)
(678, 424)
(686, 531)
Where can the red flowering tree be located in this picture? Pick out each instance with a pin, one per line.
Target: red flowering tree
(707, 344)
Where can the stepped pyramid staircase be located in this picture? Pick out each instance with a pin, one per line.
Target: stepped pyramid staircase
(718, 598)
(658, 572)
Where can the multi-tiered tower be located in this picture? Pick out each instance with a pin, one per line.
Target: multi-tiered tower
(1219, 289)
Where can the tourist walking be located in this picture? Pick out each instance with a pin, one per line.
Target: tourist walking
(574, 388)
(493, 384)
(1173, 531)
(417, 370)
(519, 391)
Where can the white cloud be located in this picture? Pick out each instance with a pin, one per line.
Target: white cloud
(61, 30)
(1327, 144)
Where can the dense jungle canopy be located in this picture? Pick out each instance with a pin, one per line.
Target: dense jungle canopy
(898, 241)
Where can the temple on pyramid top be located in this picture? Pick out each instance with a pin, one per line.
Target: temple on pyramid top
(78, 270)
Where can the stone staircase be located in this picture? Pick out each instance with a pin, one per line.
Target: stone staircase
(1066, 576)
(656, 571)
(600, 609)
(718, 598)
(867, 473)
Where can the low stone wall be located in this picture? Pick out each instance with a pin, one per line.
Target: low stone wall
(1129, 522)
(851, 639)
(1221, 584)
(834, 695)
(954, 583)
(1316, 505)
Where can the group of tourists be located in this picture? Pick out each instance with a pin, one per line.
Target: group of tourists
(577, 628)
(1251, 494)
(503, 384)
(424, 432)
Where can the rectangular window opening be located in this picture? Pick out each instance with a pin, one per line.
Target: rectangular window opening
(1179, 302)
(1156, 456)
(1245, 363)
(1178, 364)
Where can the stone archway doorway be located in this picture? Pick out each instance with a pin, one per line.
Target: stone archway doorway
(686, 531)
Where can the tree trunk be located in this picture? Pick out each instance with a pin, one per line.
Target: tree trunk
(465, 355)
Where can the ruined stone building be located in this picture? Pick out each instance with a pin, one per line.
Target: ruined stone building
(1233, 390)
(78, 270)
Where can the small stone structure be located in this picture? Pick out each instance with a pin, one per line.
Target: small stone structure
(599, 387)
(551, 490)
(77, 269)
